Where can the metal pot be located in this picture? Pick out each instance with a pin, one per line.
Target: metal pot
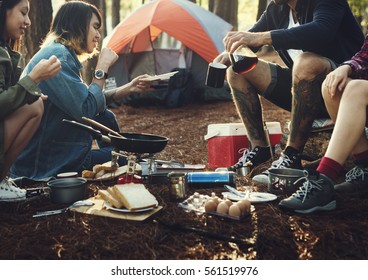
(67, 190)
(129, 142)
(284, 180)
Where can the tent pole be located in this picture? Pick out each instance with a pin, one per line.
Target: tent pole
(153, 51)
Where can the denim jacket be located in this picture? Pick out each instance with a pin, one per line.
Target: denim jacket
(56, 146)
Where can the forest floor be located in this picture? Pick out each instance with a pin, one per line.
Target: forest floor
(268, 233)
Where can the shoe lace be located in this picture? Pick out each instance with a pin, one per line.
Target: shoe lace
(247, 155)
(282, 162)
(355, 174)
(10, 185)
(307, 186)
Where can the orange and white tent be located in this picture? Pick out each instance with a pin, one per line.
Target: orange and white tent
(197, 29)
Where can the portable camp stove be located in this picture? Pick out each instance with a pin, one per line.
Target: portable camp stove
(132, 160)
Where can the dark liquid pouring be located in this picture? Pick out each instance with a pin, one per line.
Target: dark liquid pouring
(243, 64)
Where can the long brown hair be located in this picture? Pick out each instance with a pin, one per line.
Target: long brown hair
(70, 25)
(4, 6)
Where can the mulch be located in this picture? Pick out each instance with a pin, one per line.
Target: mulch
(266, 234)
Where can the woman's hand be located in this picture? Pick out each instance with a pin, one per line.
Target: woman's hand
(336, 80)
(140, 84)
(45, 69)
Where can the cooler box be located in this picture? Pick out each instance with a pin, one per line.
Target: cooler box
(227, 141)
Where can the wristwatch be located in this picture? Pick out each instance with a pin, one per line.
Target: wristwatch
(100, 74)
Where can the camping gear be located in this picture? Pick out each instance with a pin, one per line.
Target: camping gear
(67, 190)
(216, 75)
(227, 142)
(177, 188)
(165, 34)
(99, 209)
(210, 179)
(78, 203)
(284, 181)
(129, 142)
(243, 60)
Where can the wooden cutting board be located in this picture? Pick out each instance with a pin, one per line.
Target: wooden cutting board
(99, 210)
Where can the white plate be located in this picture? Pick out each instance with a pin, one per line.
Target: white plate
(124, 210)
(255, 197)
(165, 76)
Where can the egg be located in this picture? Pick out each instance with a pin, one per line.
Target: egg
(210, 206)
(244, 205)
(234, 211)
(216, 199)
(228, 202)
(222, 208)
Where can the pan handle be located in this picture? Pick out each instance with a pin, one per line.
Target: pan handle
(96, 134)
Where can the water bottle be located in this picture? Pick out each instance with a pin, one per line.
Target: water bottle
(210, 179)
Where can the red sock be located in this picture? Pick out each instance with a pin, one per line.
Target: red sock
(361, 158)
(330, 167)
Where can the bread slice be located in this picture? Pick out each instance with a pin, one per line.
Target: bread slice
(134, 196)
(105, 195)
(107, 167)
(88, 174)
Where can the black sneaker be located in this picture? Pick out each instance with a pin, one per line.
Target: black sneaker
(293, 161)
(356, 181)
(252, 158)
(313, 195)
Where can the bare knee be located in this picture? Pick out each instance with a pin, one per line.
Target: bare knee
(36, 109)
(308, 66)
(356, 91)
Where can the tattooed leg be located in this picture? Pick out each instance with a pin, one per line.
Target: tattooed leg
(306, 105)
(249, 109)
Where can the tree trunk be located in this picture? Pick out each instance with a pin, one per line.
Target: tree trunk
(211, 5)
(115, 13)
(228, 12)
(262, 4)
(39, 28)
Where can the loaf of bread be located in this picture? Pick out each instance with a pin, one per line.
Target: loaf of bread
(105, 195)
(134, 196)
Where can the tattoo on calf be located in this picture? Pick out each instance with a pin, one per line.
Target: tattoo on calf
(307, 104)
(250, 109)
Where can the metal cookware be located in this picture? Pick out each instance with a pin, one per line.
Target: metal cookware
(139, 143)
(63, 210)
(67, 190)
(284, 180)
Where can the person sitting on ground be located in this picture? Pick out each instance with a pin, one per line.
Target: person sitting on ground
(56, 146)
(312, 37)
(345, 92)
(21, 101)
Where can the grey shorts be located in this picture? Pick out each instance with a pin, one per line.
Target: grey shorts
(279, 90)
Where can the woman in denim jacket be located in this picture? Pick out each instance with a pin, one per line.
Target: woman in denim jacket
(57, 147)
(21, 101)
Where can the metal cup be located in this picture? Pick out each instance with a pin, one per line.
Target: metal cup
(177, 187)
(216, 73)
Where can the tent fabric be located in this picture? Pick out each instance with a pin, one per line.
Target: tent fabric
(189, 23)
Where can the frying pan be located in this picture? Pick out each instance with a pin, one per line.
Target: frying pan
(139, 143)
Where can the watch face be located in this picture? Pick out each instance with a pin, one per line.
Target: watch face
(99, 74)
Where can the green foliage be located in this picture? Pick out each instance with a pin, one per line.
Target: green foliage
(360, 11)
